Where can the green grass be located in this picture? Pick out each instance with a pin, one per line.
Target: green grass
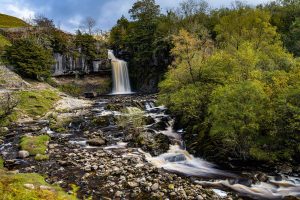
(35, 144)
(1, 162)
(12, 188)
(40, 157)
(7, 21)
(37, 103)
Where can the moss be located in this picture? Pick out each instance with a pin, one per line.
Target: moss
(72, 89)
(35, 144)
(12, 188)
(60, 125)
(37, 103)
(40, 157)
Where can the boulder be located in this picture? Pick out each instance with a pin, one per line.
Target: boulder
(23, 154)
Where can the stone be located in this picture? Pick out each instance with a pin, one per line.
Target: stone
(285, 169)
(29, 186)
(171, 186)
(262, 177)
(44, 187)
(96, 142)
(154, 187)
(90, 94)
(23, 154)
(133, 184)
(118, 194)
(199, 197)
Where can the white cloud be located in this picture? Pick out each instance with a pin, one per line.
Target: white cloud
(16, 9)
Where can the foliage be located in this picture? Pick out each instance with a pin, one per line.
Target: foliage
(12, 188)
(237, 100)
(29, 58)
(236, 113)
(7, 21)
(3, 42)
(37, 103)
(35, 144)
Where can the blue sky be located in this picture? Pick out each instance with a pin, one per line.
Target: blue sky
(68, 14)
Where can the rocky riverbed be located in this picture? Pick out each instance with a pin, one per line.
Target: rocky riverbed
(115, 148)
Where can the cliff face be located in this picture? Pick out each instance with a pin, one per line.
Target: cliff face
(78, 65)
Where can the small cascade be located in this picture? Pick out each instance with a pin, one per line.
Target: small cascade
(121, 83)
(180, 161)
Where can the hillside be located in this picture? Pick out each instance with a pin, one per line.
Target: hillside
(7, 21)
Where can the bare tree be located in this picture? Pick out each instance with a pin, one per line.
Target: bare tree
(188, 8)
(42, 21)
(89, 24)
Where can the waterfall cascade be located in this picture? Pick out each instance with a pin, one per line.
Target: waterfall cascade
(121, 83)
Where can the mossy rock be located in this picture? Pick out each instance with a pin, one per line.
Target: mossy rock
(101, 121)
(35, 144)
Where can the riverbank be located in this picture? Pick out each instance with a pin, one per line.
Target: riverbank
(92, 148)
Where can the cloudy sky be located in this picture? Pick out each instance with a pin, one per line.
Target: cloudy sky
(68, 14)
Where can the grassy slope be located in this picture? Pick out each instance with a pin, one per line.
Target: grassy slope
(12, 188)
(7, 21)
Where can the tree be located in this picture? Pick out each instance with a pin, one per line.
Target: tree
(144, 10)
(246, 25)
(43, 21)
(29, 59)
(236, 112)
(89, 24)
(190, 8)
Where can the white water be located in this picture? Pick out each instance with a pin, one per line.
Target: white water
(121, 83)
(178, 160)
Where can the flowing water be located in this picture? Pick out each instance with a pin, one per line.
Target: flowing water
(178, 160)
(121, 83)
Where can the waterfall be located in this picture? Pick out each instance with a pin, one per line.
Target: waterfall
(121, 83)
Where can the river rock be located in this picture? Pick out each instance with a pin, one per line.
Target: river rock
(23, 154)
(96, 142)
(262, 177)
(29, 186)
(154, 187)
(285, 169)
(133, 184)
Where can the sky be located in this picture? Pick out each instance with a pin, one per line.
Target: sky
(68, 14)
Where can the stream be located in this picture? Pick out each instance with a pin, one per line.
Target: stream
(105, 161)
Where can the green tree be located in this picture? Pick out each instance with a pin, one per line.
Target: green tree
(29, 59)
(236, 112)
(246, 25)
